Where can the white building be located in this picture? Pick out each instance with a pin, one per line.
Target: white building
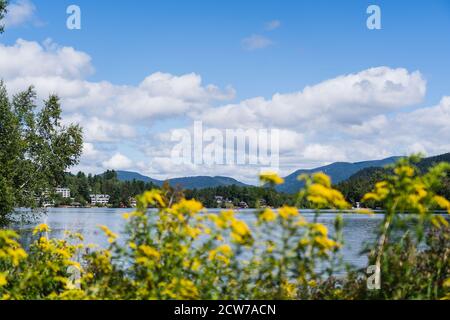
(102, 199)
(64, 192)
(133, 202)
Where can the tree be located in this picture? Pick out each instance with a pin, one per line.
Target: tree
(3, 4)
(35, 149)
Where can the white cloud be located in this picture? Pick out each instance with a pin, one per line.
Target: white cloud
(28, 59)
(345, 100)
(353, 117)
(19, 12)
(62, 70)
(89, 151)
(256, 41)
(118, 162)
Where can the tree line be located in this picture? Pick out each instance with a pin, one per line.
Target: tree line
(121, 193)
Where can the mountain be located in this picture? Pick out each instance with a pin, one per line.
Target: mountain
(130, 176)
(363, 181)
(338, 171)
(202, 182)
(199, 182)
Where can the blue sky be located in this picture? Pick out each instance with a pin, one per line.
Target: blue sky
(311, 42)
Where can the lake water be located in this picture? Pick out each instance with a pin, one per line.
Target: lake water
(358, 228)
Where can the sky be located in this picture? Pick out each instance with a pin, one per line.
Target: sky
(136, 73)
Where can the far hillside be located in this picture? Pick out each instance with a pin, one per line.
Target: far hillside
(364, 180)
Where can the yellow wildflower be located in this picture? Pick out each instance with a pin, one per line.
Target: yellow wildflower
(3, 281)
(132, 245)
(149, 251)
(270, 177)
(41, 228)
(267, 215)
(188, 206)
(240, 227)
(286, 212)
(320, 228)
(111, 235)
(221, 253)
(322, 179)
(404, 170)
(152, 197)
(192, 232)
(442, 202)
(439, 221)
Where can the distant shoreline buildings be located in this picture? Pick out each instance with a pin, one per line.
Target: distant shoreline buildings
(99, 199)
(63, 192)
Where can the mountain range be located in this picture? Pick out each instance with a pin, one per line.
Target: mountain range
(338, 171)
(199, 182)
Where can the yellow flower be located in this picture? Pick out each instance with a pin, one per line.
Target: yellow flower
(149, 251)
(190, 207)
(270, 177)
(312, 283)
(3, 281)
(224, 219)
(221, 253)
(286, 212)
(240, 227)
(132, 245)
(404, 170)
(193, 232)
(322, 179)
(303, 242)
(325, 243)
(446, 283)
(41, 228)
(442, 202)
(267, 215)
(111, 235)
(364, 211)
(320, 228)
(439, 221)
(152, 197)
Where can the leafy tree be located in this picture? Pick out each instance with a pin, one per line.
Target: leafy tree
(35, 149)
(3, 4)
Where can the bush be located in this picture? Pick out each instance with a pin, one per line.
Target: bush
(183, 252)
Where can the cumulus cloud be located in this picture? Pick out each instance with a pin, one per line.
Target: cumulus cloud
(255, 42)
(345, 100)
(351, 117)
(118, 162)
(19, 13)
(63, 70)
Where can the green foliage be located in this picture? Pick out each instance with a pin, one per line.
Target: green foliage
(3, 4)
(364, 181)
(35, 149)
(251, 195)
(82, 185)
(180, 251)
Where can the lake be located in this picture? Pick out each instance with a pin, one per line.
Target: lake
(357, 228)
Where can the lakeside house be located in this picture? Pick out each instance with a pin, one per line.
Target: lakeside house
(64, 192)
(243, 205)
(133, 202)
(99, 199)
